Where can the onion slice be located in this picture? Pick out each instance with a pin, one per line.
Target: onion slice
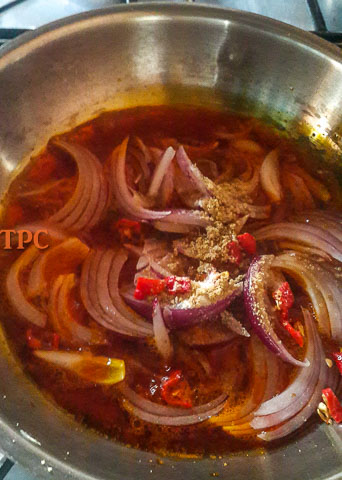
(160, 171)
(161, 334)
(191, 172)
(121, 191)
(304, 234)
(321, 380)
(60, 259)
(259, 310)
(100, 294)
(177, 317)
(284, 406)
(85, 207)
(15, 291)
(269, 177)
(63, 322)
(321, 285)
(152, 412)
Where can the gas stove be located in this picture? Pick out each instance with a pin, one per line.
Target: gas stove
(322, 17)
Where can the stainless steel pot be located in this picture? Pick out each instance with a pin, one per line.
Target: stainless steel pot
(68, 71)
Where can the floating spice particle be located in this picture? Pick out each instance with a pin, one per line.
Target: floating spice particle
(225, 464)
(214, 474)
(160, 461)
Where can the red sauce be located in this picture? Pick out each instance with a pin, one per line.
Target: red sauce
(100, 407)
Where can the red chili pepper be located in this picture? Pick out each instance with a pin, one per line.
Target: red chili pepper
(295, 334)
(32, 341)
(176, 390)
(284, 297)
(337, 356)
(334, 406)
(247, 242)
(176, 285)
(126, 223)
(127, 228)
(148, 286)
(55, 341)
(234, 252)
(42, 339)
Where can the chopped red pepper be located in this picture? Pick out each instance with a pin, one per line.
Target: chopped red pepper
(284, 297)
(126, 223)
(127, 228)
(42, 339)
(55, 341)
(295, 334)
(334, 406)
(337, 356)
(176, 285)
(32, 341)
(234, 252)
(148, 286)
(247, 242)
(175, 390)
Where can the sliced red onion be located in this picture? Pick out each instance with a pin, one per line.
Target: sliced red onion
(160, 171)
(305, 413)
(88, 291)
(135, 321)
(161, 334)
(209, 166)
(61, 318)
(259, 310)
(257, 211)
(172, 227)
(322, 287)
(187, 217)
(133, 249)
(298, 393)
(168, 185)
(160, 271)
(151, 412)
(286, 245)
(241, 425)
(145, 158)
(244, 187)
(99, 293)
(142, 263)
(184, 317)
(37, 283)
(89, 199)
(323, 220)
(233, 324)
(305, 234)
(270, 177)
(15, 291)
(242, 413)
(121, 191)
(191, 172)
